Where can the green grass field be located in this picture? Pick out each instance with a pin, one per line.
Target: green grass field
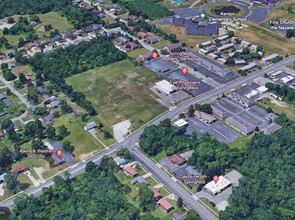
(286, 108)
(241, 141)
(52, 18)
(120, 91)
(85, 145)
(161, 44)
(137, 52)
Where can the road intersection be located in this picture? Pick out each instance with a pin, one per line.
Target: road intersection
(151, 166)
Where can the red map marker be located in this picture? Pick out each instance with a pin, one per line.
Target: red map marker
(215, 179)
(155, 55)
(59, 153)
(184, 70)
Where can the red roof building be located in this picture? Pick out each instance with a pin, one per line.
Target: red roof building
(20, 169)
(151, 39)
(177, 159)
(165, 205)
(146, 56)
(157, 195)
(1, 134)
(18, 71)
(130, 171)
(131, 28)
(142, 34)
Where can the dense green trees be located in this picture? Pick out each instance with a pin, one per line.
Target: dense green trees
(12, 183)
(146, 201)
(148, 9)
(287, 93)
(93, 195)
(192, 215)
(60, 64)
(267, 189)
(6, 159)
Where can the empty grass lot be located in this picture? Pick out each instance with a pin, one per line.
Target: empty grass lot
(271, 41)
(120, 91)
(189, 40)
(85, 145)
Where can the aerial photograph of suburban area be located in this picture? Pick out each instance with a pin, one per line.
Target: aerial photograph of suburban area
(147, 110)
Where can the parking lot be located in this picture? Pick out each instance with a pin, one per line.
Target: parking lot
(172, 74)
(252, 117)
(222, 133)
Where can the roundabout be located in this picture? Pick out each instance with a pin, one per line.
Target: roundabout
(226, 9)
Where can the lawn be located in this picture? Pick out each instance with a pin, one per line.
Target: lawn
(241, 141)
(163, 191)
(53, 18)
(279, 109)
(190, 41)
(272, 42)
(85, 145)
(137, 52)
(151, 180)
(161, 44)
(120, 91)
(160, 156)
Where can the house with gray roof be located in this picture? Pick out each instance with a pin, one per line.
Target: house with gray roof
(2, 96)
(271, 116)
(249, 67)
(139, 180)
(204, 117)
(219, 112)
(120, 161)
(270, 57)
(272, 128)
(90, 126)
(192, 171)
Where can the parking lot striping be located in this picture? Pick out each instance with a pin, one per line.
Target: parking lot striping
(221, 134)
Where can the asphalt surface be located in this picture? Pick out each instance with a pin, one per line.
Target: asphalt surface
(152, 167)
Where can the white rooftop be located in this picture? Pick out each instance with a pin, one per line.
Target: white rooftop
(262, 89)
(180, 123)
(165, 86)
(217, 187)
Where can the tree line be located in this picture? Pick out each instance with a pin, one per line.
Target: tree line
(62, 63)
(287, 93)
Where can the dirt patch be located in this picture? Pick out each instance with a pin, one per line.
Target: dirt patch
(121, 130)
(132, 75)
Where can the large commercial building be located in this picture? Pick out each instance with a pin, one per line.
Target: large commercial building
(215, 188)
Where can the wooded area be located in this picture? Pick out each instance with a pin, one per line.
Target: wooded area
(266, 163)
(62, 63)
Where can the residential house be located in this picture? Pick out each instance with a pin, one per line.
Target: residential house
(67, 35)
(131, 28)
(146, 56)
(132, 17)
(90, 126)
(1, 134)
(56, 159)
(171, 47)
(7, 102)
(156, 192)
(178, 216)
(130, 171)
(2, 178)
(56, 38)
(54, 103)
(164, 204)
(120, 161)
(151, 39)
(10, 65)
(20, 168)
(177, 159)
(33, 23)
(48, 120)
(139, 180)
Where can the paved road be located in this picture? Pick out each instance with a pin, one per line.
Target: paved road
(20, 96)
(149, 164)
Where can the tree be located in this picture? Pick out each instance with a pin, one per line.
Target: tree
(68, 147)
(5, 31)
(33, 95)
(40, 111)
(246, 50)
(124, 153)
(84, 117)
(63, 131)
(179, 202)
(231, 33)
(30, 129)
(192, 215)
(51, 132)
(12, 183)
(146, 201)
(8, 92)
(6, 158)
(289, 33)
(10, 20)
(230, 61)
(37, 144)
(191, 111)
(90, 166)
